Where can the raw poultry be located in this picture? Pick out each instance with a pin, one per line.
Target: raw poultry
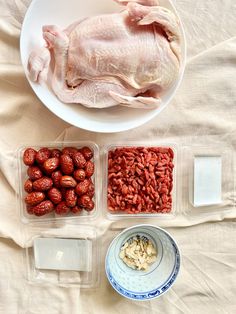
(129, 58)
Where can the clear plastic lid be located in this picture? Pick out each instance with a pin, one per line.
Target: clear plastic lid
(207, 179)
(67, 256)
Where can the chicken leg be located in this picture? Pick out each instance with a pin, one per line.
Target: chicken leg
(38, 64)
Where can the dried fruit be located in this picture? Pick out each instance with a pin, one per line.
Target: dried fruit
(43, 208)
(69, 151)
(90, 206)
(53, 171)
(62, 208)
(140, 179)
(34, 198)
(82, 187)
(34, 173)
(56, 178)
(79, 160)
(76, 209)
(86, 202)
(63, 192)
(68, 182)
(89, 169)
(55, 195)
(91, 190)
(87, 152)
(79, 175)
(67, 166)
(28, 186)
(42, 155)
(42, 184)
(55, 153)
(29, 209)
(29, 156)
(70, 198)
(51, 164)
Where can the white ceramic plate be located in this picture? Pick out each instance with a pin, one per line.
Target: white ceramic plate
(63, 13)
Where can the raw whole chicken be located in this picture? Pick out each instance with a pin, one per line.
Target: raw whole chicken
(128, 58)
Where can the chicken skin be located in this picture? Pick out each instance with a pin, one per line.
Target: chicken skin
(128, 58)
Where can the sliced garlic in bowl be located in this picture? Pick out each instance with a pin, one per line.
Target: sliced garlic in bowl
(149, 283)
(138, 253)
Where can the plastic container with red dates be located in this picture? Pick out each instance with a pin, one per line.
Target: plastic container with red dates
(57, 181)
(140, 180)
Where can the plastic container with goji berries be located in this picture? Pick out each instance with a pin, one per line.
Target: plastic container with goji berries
(68, 256)
(22, 176)
(140, 180)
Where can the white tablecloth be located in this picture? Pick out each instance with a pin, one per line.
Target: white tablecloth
(203, 111)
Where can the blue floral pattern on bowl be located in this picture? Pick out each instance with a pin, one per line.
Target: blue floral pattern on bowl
(141, 285)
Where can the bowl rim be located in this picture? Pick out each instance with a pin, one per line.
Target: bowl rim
(157, 292)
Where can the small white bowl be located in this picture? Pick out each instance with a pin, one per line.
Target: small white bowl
(143, 285)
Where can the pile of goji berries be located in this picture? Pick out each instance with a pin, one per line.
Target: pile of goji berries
(59, 180)
(140, 180)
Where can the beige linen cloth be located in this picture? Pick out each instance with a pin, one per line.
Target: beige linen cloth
(203, 110)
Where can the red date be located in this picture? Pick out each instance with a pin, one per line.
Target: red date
(86, 202)
(87, 152)
(79, 160)
(70, 198)
(69, 151)
(62, 208)
(67, 166)
(28, 186)
(89, 169)
(34, 198)
(42, 184)
(51, 164)
(67, 182)
(43, 208)
(42, 155)
(79, 175)
(29, 156)
(82, 187)
(56, 153)
(56, 178)
(55, 195)
(76, 209)
(34, 173)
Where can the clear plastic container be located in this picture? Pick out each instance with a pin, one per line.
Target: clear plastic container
(113, 215)
(85, 277)
(226, 202)
(22, 177)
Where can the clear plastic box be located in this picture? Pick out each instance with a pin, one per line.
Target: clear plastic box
(85, 278)
(22, 176)
(227, 203)
(113, 215)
